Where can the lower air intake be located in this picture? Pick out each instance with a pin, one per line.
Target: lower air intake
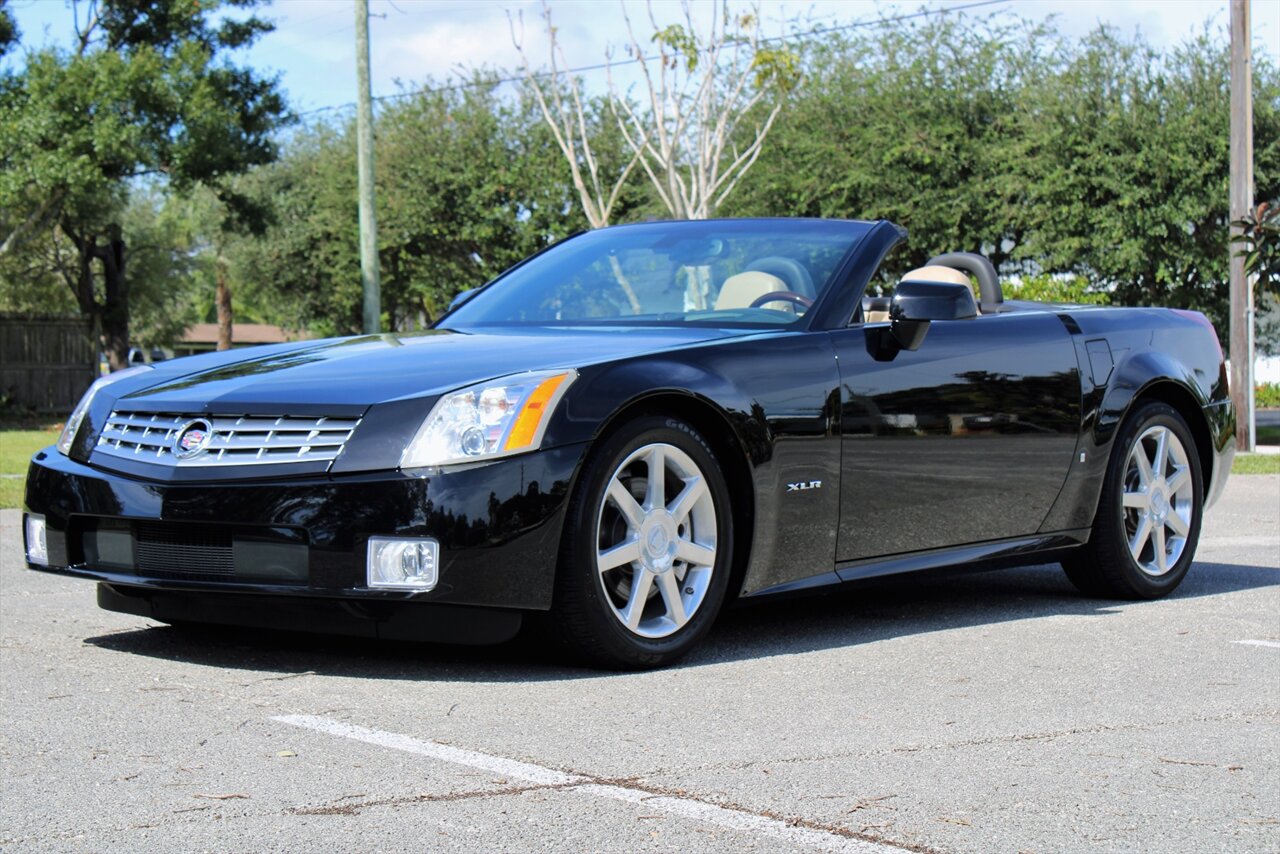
(188, 551)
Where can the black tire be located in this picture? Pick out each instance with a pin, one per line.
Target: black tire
(587, 613)
(1107, 567)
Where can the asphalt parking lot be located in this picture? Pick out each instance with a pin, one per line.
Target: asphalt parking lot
(989, 712)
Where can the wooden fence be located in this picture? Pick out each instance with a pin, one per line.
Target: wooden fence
(46, 363)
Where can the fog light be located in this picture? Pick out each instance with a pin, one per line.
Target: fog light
(403, 564)
(37, 540)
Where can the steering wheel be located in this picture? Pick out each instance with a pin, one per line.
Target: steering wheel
(781, 296)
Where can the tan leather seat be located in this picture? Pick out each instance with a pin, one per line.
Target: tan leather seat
(932, 273)
(875, 317)
(938, 273)
(739, 291)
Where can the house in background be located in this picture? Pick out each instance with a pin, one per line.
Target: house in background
(203, 337)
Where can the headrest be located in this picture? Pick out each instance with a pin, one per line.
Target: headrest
(938, 273)
(742, 289)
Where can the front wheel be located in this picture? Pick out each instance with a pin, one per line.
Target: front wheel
(647, 549)
(1148, 522)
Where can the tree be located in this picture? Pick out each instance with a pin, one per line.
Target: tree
(468, 184)
(146, 94)
(575, 122)
(1099, 157)
(702, 126)
(690, 137)
(923, 123)
(164, 277)
(1127, 175)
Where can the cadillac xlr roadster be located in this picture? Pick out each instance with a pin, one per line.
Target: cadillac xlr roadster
(634, 426)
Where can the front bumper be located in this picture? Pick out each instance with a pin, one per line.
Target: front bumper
(498, 525)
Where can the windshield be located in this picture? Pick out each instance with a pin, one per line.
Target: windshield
(714, 272)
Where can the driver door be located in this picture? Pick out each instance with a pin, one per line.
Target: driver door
(966, 439)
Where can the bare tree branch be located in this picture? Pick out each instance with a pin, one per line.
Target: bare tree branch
(699, 93)
(686, 134)
(84, 36)
(572, 131)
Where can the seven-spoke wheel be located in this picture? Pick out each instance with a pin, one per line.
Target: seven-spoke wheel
(1158, 500)
(657, 540)
(647, 550)
(1148, 520)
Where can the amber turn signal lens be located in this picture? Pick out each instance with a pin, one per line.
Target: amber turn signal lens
(535, 409)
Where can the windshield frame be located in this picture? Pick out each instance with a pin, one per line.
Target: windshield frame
(857, 233)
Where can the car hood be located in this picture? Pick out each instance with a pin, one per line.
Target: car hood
(349, 374)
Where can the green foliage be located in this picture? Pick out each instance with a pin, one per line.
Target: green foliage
(1127, 180)
(679, 43)
(146, 95)
(1090, 170)
(164, 273)
(1102, 158)
(779, 66)
(467, 185)
(1260, 239)
(1061, 288)
(918, 124)
(8, 29)
(163, 277)
(1267, 395)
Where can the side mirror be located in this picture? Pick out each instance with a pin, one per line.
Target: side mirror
(916, 304)
(462, 298)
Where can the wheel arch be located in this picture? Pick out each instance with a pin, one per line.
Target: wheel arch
(1183, 402)
(718, 429)
(1158, 376)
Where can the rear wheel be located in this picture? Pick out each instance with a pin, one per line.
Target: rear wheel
(1148, 522)
(648, 547)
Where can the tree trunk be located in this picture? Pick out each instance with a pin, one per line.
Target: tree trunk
(115, 304)
(224, 305)
(109, 319)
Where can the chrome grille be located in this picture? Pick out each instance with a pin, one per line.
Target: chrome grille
(235, 441)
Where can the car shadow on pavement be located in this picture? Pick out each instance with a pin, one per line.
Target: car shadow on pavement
(850, 615)
(881, 609)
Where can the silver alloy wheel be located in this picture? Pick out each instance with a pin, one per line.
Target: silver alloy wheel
(656, 540)
(1159, 500)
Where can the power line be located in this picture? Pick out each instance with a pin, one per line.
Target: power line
(450, 87)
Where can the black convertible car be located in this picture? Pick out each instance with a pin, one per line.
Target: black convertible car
(633, 426)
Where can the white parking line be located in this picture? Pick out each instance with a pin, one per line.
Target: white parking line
(444, 752)
(684, 807)
(1272, 644)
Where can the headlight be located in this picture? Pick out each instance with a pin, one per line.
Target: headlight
(77, 415)
(494, 419)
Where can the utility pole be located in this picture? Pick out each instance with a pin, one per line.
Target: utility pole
(1241, 203)
(364, 160)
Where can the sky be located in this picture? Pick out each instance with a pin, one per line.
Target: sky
(413, 41)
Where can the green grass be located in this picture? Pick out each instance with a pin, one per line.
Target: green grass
(1256, 464)
(1268, 434)
(16, 448)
